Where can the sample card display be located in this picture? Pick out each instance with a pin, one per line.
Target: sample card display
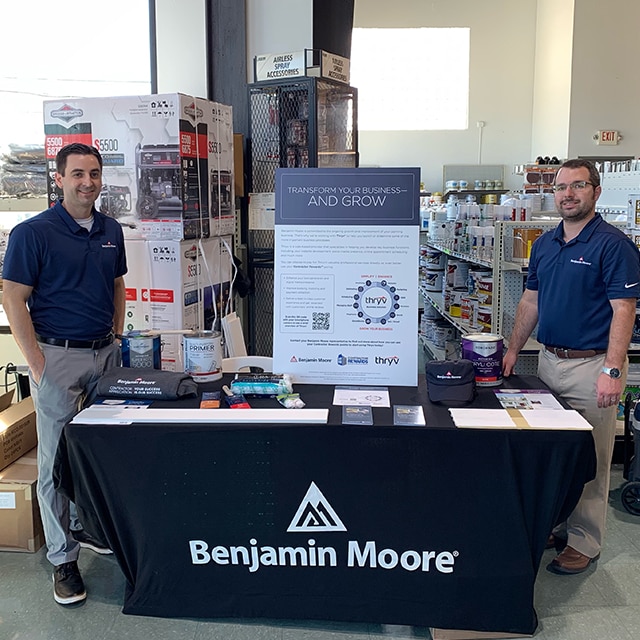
(346, 275)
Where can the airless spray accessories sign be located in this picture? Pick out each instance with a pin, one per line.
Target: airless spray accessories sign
(315, 514)
(274, 66)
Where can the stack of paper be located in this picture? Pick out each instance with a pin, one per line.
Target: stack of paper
(503, 419)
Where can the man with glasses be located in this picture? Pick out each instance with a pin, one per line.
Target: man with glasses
(584, 278)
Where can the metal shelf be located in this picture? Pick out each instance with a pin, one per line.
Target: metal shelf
(456, 254)
(435, 298)
(464, 192)
(438, 353)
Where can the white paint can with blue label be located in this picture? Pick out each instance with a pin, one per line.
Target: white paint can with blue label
(203, 355)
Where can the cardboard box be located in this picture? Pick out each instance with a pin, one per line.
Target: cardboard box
(20, 523)
(172, 285)
(155, 149)
(218, 122)
(17, 428)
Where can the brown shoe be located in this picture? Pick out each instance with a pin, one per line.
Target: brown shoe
(570, 562)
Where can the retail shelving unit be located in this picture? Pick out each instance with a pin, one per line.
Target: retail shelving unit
(509, 275)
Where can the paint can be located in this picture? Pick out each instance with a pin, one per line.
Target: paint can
(485, 351)
(434, 259)
(203, 355)
(141, 350)
(433, 279)
(457, 273)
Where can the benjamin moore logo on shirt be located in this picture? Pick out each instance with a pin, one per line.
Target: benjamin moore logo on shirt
(109, 246)
(315, 514)
(581, 260)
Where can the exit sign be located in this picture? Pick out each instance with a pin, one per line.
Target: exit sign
(607, 137)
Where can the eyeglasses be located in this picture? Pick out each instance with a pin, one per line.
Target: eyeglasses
(579, 185)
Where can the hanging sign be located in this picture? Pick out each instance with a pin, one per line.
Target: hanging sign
(346, 275)
(274, 66)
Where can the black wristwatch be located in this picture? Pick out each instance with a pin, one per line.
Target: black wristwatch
(612, 372)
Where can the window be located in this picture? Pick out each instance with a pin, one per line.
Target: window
(72, 49)
(411, 79)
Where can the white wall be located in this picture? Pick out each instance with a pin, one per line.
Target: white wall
(9, 351)
(277, 26)
(503, 38)
(181, 47)
(552, 78)
(605, 91)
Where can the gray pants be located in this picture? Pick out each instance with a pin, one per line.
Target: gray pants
(575, 381)
(68, 384)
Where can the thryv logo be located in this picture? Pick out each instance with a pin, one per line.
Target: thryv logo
(388, 361)
(379, 300)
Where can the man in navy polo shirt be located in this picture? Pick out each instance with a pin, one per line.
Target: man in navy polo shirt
(64, 296)
(584, 278)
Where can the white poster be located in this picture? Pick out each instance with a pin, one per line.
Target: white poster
(346, 275)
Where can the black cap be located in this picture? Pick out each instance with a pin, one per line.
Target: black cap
(450, 381)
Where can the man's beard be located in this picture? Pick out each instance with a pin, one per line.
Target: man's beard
(578, 213)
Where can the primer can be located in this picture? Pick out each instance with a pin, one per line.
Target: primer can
(485, 351)
(140, 350)
(203, 355)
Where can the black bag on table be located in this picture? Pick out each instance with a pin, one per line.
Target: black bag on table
(146, 384)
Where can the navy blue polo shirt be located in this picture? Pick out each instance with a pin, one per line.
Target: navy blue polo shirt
(71, 270)
(575, 281)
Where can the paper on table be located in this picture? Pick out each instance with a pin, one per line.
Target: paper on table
(123, 415)
(482, 418)
(363, 396)
(552, 419)
(527, 399)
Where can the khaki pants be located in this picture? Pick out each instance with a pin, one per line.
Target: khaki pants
(574, 380)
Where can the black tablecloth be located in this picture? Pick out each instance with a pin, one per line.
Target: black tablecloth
(430, 526)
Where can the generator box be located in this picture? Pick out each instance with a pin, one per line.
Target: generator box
(177, 285)
(155, 151)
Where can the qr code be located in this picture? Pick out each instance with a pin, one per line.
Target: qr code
(321, 321)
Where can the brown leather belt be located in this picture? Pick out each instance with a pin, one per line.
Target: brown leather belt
(567, 354)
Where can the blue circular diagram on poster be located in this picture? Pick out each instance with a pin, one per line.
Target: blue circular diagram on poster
(376, 302)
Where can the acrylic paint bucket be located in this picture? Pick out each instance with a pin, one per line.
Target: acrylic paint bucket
(203, 355)
(485, 351)
(140, 350)
(433, 279)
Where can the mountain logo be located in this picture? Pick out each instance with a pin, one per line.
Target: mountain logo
(315, 514)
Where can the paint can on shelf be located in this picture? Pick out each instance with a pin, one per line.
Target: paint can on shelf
(203, 355)
(140, 350)
(457, 273)
(485, 351)
(433, 279)
(434, 259)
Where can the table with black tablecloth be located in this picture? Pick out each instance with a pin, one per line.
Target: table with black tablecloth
(430, 526)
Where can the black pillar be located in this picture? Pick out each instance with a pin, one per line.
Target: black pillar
(332, 26)
(227, 58)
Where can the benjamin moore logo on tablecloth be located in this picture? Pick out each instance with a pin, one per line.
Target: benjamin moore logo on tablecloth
(315, 514)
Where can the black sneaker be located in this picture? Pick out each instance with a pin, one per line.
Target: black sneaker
(87, 542)
(68, 586)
